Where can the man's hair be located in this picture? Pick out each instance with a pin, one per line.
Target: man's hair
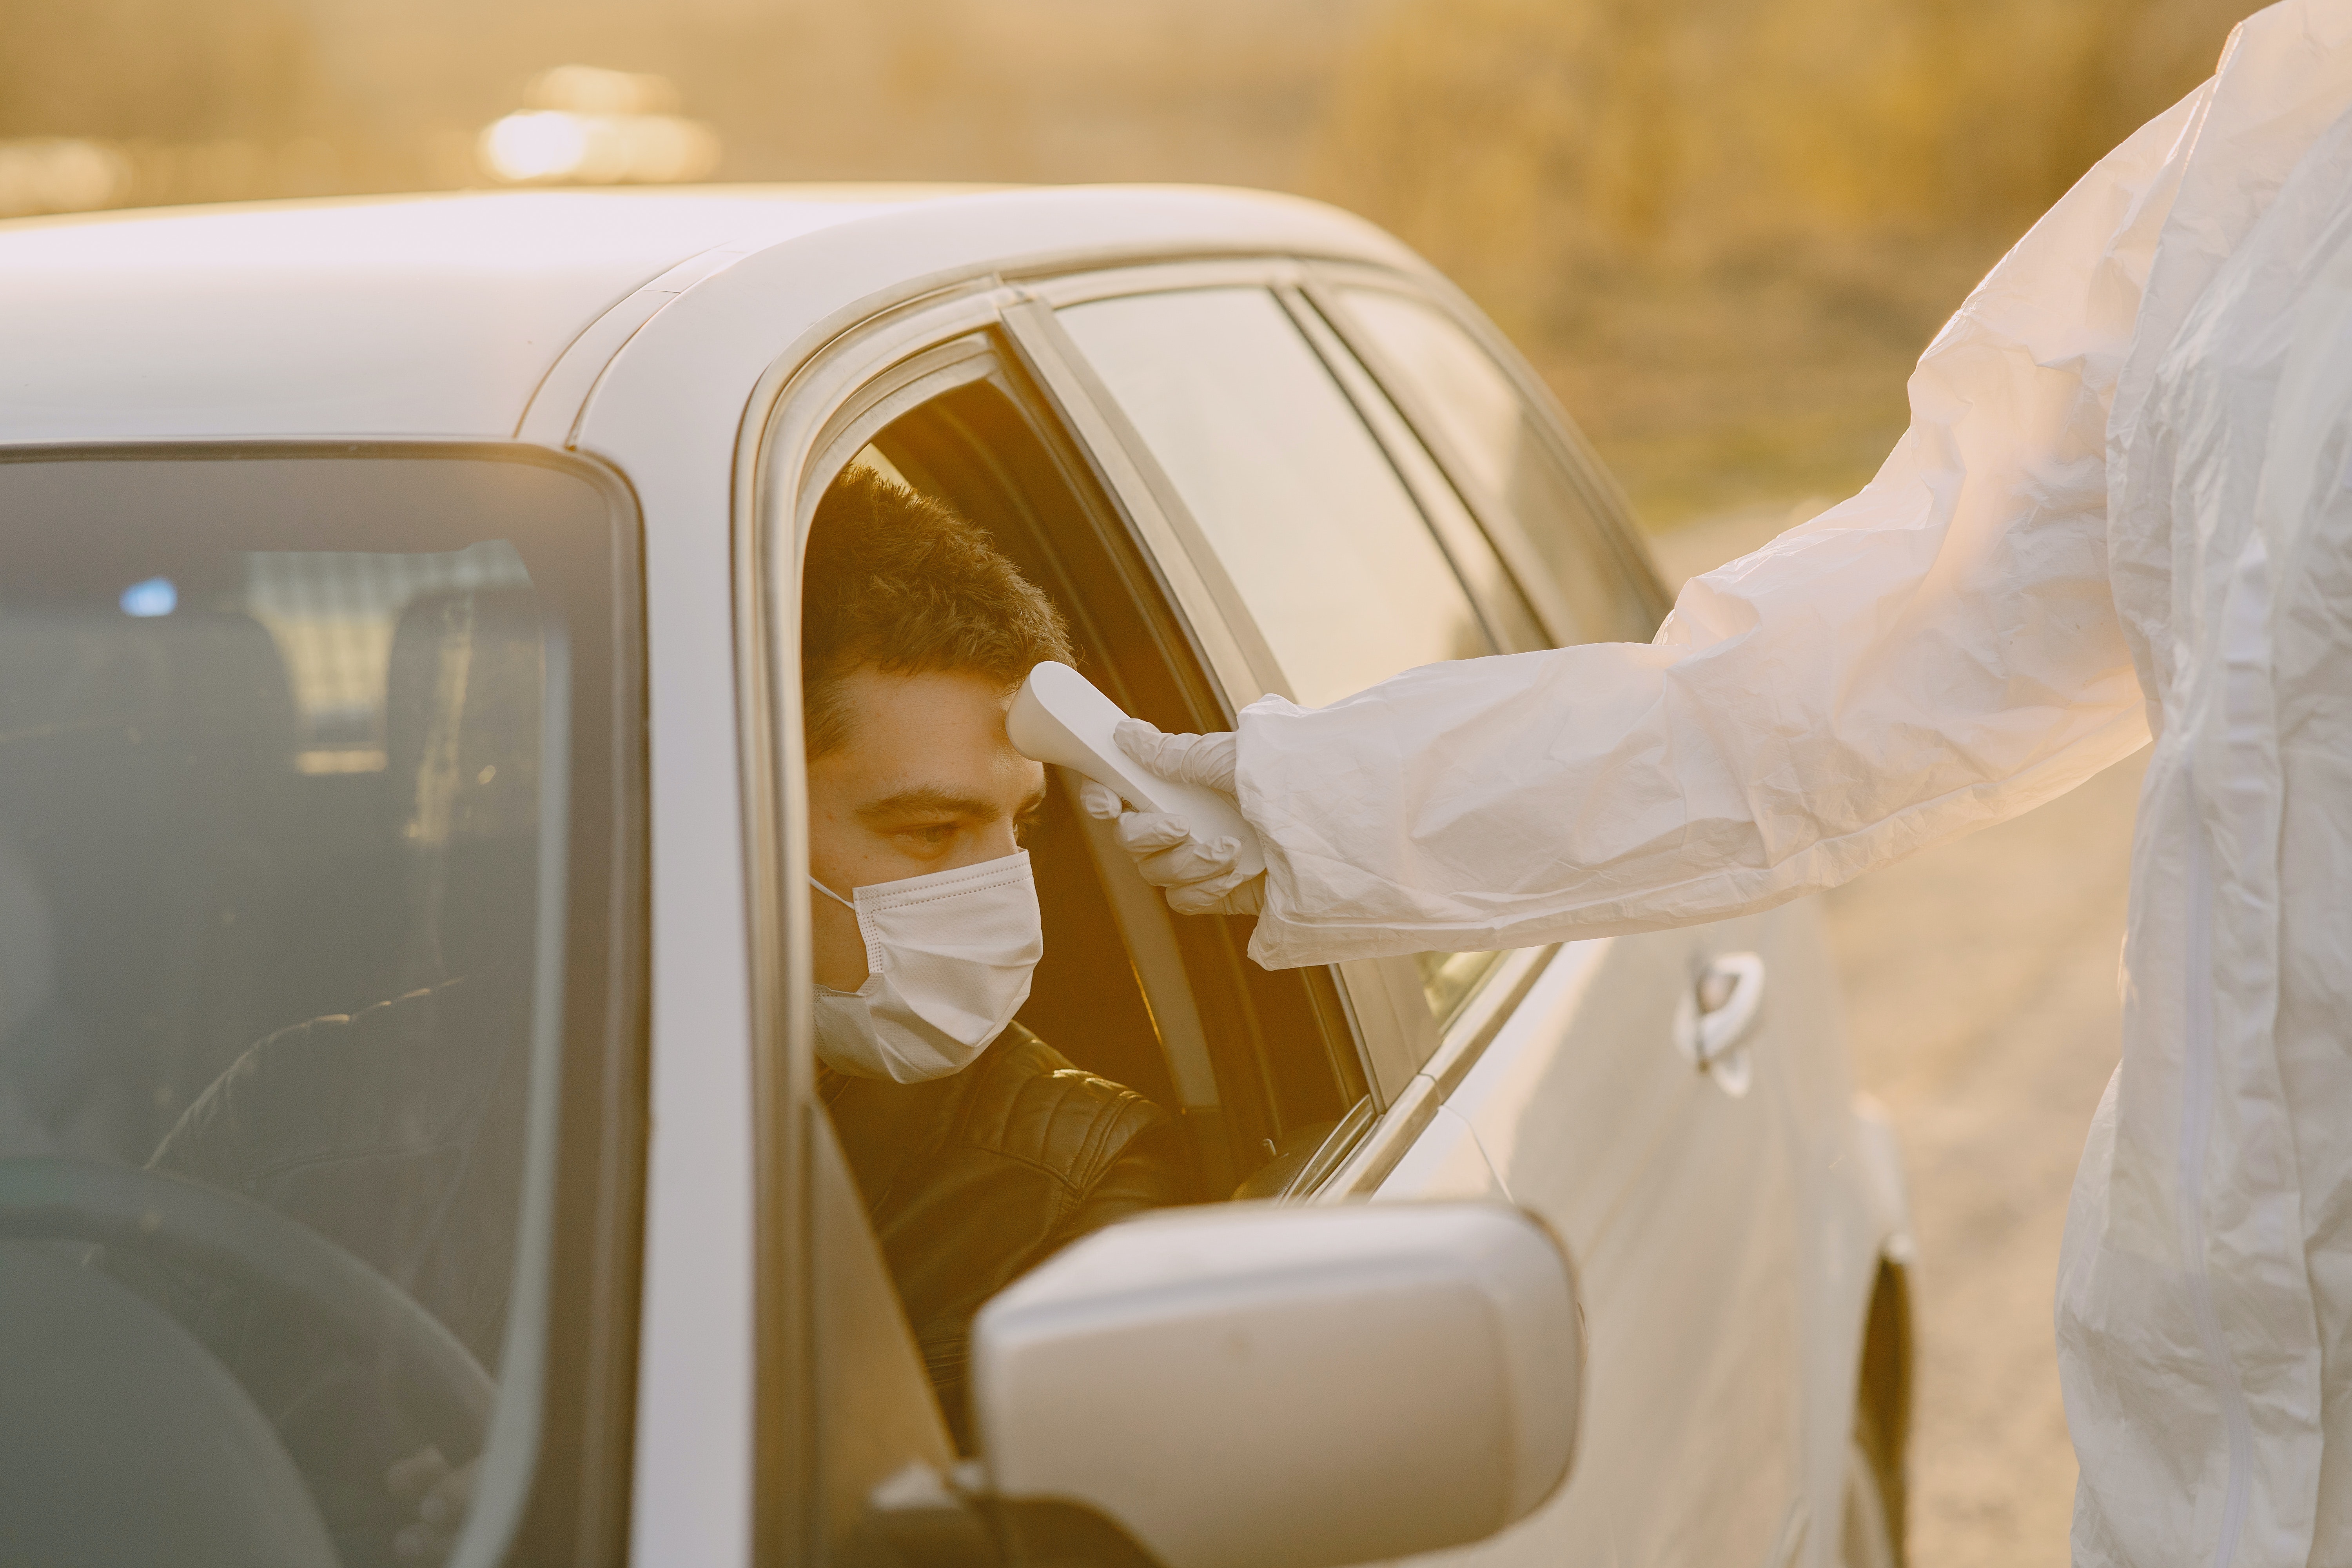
(900, 582)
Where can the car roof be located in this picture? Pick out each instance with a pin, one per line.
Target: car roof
(438, 316)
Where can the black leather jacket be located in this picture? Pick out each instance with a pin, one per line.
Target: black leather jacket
(972, 1180)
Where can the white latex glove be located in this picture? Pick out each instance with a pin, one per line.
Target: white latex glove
(1198, 874)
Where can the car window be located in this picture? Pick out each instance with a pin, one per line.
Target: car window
(1450, 979)
(1320, 538)
(1505, 457)
(285, 777)
(1149, 1063)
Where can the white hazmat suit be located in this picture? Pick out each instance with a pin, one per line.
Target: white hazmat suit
(2120, 510)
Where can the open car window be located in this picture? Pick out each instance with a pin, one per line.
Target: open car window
(312, 783)
(1200, 1076)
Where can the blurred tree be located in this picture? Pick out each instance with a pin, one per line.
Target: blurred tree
(1724, 227)
(162, 69)
(1552, 136)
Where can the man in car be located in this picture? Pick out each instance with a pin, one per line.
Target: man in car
(979, 1149)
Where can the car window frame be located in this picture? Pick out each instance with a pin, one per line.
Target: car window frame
(1512, 621)
(1324, 284)
(817, 405)
(584, 1206)
(786, 422)
(1393, 1030)
(908, 384)
(1400, 1035)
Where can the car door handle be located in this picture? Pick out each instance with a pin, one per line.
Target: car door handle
(1716, 1014)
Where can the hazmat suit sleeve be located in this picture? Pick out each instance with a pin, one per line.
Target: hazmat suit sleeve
(1938, 653)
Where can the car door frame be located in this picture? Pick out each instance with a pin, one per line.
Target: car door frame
(1401, 1040)
(1609, 509)
(799, 417)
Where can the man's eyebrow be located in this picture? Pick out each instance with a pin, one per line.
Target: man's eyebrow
(925, 801)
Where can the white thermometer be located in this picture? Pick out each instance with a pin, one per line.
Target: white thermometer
(1058, 717)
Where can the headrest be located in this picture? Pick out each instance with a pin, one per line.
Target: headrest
(462, 722)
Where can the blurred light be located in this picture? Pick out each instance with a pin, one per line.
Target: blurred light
(547, 145)
(593, 89)
(155, 596)
(587, 125)
(60, 175)
(536, 145)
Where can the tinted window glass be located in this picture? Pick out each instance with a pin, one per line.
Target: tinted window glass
(284, 788)
(1505, 458)
(1320, 538)
(1450, 979)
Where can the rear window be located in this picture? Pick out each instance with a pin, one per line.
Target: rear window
(312, 774)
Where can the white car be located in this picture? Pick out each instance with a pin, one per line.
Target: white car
(405, 1074)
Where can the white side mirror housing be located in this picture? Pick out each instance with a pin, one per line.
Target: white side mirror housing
(1251, 1386)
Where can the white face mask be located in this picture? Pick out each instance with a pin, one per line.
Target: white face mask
(949, 958)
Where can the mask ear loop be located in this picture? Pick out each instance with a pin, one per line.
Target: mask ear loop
(852, 907)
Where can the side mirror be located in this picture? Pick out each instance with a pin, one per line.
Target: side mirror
(1246, 1386)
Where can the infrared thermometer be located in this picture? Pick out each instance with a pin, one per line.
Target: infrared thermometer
(1058, 717)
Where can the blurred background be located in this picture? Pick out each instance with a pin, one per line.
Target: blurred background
(1723, 229)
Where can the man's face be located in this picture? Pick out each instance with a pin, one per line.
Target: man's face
(927, 783)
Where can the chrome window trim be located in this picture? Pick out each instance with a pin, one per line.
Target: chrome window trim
(1334, 1150)
(1513, 626)
(1393, 1034)
(1381, 1150)
(1204, 598)
(1482, 1016)
(913, 381)
(1358, 1171)
(1262, 271)
(1607, 500)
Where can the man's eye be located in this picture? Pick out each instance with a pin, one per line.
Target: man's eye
(933, 835)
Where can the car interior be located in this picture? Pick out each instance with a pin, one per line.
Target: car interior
(200, 861)
(270, 844)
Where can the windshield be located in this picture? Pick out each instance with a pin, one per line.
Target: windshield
(289, 793)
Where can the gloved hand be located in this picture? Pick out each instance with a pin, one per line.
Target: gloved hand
(1198, 874)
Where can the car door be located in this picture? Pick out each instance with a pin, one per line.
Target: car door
(1342, 551)
(1557, 516)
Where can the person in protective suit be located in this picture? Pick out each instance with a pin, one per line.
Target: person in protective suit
(2120, 513)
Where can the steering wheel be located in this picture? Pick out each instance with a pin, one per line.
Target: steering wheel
(276, 1258)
